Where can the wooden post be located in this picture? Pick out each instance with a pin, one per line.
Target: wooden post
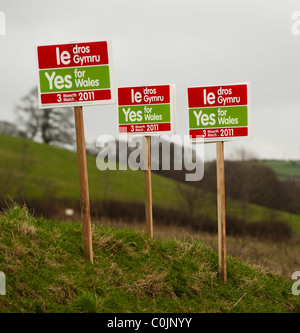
(221, 210)
(148, 186)
(83, 184)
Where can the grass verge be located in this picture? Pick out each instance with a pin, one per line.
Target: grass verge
(45, 272)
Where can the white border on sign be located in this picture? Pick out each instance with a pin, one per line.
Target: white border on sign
(172, 111)
(224, 139)
(81, 103)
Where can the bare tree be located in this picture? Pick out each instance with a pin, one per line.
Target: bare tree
(54, 125)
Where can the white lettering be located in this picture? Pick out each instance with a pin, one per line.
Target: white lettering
(296, 24)
(50, 79)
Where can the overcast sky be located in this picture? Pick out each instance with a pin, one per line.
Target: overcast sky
(184, 42)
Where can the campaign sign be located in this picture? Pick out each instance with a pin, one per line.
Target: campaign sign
(75, 74)
(219, 113)
(146, 109)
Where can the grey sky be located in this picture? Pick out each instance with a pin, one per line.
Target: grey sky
(185, 42)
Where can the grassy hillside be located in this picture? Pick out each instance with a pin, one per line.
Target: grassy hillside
(285, 170)
(32, 170)
(37, 170)
(45, 272)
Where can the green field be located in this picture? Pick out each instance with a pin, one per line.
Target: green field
(33, 170)
(48, 171)
(285, 170)
(45, 272)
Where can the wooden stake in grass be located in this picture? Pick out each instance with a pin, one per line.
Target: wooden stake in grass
(148, 186)
(83, 184)
(221, 210)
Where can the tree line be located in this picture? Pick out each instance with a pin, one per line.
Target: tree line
(248, 181)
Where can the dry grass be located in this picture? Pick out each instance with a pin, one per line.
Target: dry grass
(281, 258)
(152, 284)
(26, 229)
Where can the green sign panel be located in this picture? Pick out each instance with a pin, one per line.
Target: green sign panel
(233, 116)
(74, 79)
(144, 114)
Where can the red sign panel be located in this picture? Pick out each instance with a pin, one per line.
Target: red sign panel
(144, 95)
(225, 95)
(222, 133)
(72, 55)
